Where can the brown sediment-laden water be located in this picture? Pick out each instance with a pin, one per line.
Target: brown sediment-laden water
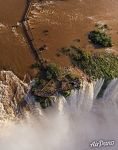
(63, 23)
(80, 121)
(15, 54)
(55, 24)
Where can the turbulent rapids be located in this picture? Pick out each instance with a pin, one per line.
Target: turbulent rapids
(70, 124)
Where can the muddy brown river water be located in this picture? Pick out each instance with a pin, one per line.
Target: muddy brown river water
(69, 20)
(15, 54)
(55, 23)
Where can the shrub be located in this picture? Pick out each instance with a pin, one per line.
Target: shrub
(65, 93)
(35, 65)
(52, 71)
(100, 38)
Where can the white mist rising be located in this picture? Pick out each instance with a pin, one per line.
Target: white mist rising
(71, 124)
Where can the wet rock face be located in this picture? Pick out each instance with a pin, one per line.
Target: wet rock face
(12, 93)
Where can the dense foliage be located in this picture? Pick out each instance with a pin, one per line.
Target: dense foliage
(100, 38)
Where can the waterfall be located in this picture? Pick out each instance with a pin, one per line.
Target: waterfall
(72, 123)
(78, 100)
(82, 100)
(111, 93)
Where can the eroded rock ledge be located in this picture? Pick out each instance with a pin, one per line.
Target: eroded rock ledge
(12, 93)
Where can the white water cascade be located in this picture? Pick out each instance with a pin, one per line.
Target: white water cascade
(72, 123)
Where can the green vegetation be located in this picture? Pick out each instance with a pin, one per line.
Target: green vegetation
(44, 102)
(52, 71)
(96, 66)
(100, 39)
(35, 65)
(65, 93)
(52, 79)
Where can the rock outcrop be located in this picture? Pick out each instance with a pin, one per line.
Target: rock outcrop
(12, 93)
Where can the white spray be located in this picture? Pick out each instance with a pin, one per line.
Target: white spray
(70, 124)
